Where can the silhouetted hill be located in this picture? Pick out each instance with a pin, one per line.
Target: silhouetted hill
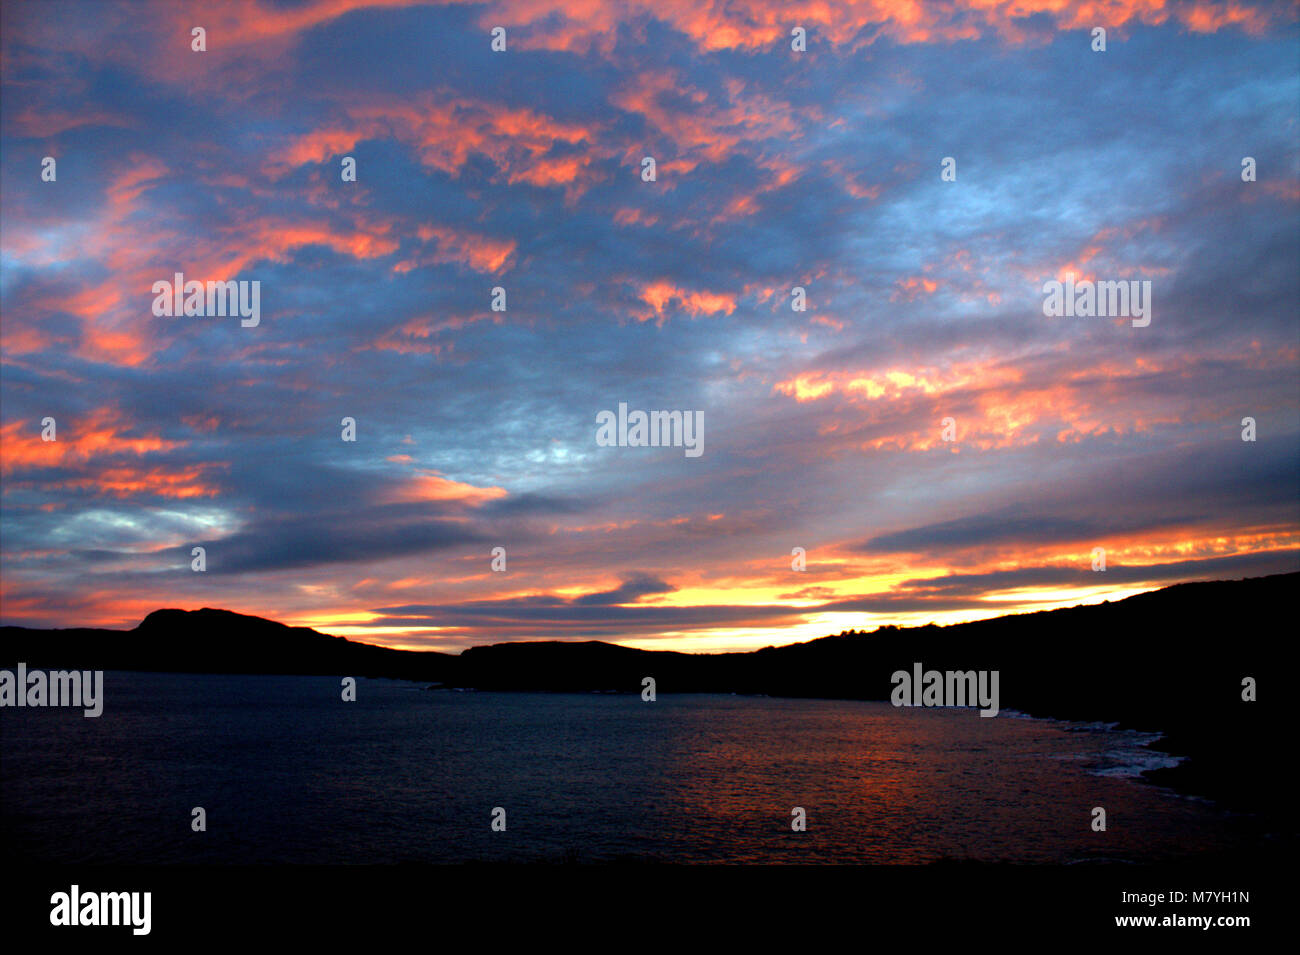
(214, 641)
(1170, 661)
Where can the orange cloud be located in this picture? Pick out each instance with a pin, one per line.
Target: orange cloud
(910, 288)
(180, 483)
(417, 335)
(430, 486)
(660, 294)
(447, 129)
(41, 123)
(101, 433)
(701, 129)
(893, 383)
(634, 217)
(764, 25)
(481, 253)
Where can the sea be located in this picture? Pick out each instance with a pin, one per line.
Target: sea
(286, 771)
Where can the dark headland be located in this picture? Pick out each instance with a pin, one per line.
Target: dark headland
(1170, 661)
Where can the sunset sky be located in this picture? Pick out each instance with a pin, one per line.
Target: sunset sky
(477, 429)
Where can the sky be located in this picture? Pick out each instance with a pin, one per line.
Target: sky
(939, 447)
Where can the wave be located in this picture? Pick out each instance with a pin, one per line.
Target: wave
(1124, 753)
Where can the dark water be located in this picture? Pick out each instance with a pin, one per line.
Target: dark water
(288, 773)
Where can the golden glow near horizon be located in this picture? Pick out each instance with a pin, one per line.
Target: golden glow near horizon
(733, 639)
(775, 586)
